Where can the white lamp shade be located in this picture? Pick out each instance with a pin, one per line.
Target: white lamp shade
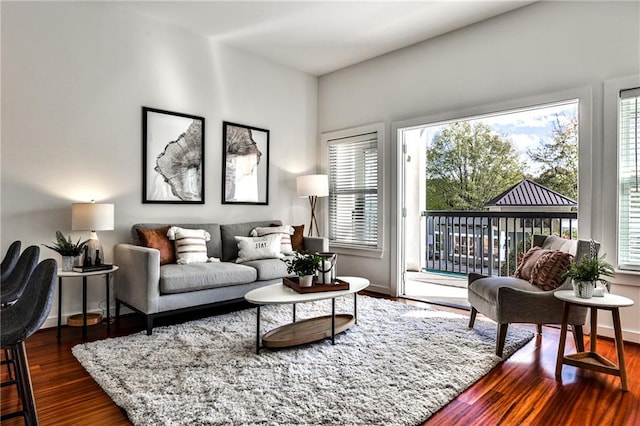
(91, 217)
(311, 185)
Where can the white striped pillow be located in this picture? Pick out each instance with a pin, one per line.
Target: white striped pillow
(285, 232)
(191, 245)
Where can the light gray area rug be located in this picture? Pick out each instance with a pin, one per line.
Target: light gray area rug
(397, 366)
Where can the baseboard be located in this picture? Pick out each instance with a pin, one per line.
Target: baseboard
(627, 336)
(379, 289)
(52, 321)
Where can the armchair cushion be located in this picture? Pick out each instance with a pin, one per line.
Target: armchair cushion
(548, 270)
(529, 260)
(544, 267)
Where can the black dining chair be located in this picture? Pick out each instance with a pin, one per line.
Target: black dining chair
(19, 321)
(10, 259)
(12, 287)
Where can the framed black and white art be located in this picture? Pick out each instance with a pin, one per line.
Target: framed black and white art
(172, 157)
(245, 164)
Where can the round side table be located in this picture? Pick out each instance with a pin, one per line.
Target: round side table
(83, 275)
(592, 360)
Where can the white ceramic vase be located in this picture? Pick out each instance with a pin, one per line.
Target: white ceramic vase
(67, 263)
(584, 289)
(306, 281)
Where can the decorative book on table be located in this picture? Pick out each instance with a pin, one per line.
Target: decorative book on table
(92, 268)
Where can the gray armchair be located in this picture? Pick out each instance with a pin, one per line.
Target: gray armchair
(508, 300)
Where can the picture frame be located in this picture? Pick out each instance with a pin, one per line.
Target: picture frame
(245, 164)
(172, 157)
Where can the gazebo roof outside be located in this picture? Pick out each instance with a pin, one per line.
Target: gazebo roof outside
(529, 193)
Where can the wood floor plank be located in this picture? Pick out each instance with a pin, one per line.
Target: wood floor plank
(521, 390)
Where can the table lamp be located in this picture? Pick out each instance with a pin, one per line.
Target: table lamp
(313, 186)
(92, 217)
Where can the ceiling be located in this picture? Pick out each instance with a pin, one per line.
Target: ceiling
(319, 37)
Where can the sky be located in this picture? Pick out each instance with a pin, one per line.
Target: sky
(525, 128)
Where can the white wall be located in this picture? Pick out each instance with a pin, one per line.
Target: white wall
(543, 48)
(74, 79)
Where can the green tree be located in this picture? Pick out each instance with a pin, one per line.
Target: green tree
(467, 165)
(559, 159)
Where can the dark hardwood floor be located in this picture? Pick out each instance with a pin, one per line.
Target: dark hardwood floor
(521, 390)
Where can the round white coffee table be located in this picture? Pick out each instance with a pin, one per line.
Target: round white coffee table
(308, 330)
(592, 360)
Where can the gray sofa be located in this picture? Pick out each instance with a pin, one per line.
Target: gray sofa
(146, 287)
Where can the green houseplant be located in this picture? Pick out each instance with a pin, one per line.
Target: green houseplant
(67, 249)
(304, 265)
(586, 273)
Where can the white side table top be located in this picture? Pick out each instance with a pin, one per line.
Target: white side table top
(86, 274)
(608, 301)
(276, 294)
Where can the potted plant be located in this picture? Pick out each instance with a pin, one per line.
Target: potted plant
(67, 249)
(586, 274)
(304, 265)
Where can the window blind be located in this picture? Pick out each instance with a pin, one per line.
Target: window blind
(629, 180)
(353, 190)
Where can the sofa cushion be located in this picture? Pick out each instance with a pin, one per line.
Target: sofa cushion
(191, 245)
(254, 248)
(228, 232)
(199, 276)
(269, 269)
(214, 245)
(285, 232)
(157, 239)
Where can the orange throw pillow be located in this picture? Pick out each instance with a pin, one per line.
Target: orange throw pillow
(297, 239)
(157, 239)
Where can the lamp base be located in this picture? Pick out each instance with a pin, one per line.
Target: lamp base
(93, 255)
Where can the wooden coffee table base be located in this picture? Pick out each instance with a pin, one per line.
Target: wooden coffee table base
(306, 331)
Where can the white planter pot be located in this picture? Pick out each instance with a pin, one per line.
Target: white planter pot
(584, 289)
(67, 263)
(306, 281)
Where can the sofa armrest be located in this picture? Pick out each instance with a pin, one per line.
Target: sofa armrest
(138, 279)
(316, 244)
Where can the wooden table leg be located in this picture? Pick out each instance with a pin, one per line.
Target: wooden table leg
(620, 348)
(594, 329)
(563, 338)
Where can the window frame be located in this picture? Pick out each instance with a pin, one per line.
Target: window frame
(611, 162)
(587, 183)
(330, 137)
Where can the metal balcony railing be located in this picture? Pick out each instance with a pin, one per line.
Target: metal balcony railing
(490, 243)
